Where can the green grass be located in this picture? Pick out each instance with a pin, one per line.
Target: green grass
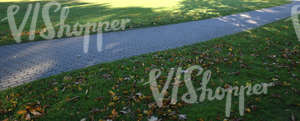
(143, 13)
(269, 53)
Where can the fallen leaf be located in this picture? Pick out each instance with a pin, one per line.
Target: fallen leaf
(21, 112)
(112, 93)
(182, 117)
(248, 110)
(201, 119)
(293, 118)
(114, 113)
(35, 113)
(74, 99)
(153, 118)
(99, 98)
(83, 119)
(27, 117)
(115, 98)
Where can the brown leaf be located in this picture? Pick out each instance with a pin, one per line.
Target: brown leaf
(99, 98)
(284, 55)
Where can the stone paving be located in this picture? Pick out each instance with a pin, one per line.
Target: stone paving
(22, 63)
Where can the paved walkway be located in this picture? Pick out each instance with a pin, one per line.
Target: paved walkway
(23, 63)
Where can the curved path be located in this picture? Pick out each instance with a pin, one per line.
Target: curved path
(21, 63)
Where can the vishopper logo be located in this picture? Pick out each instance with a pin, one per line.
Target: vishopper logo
(295, 18)
(64, 29)
(209, 94)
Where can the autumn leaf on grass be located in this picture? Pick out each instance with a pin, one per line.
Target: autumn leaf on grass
(114, 113)
(182, 117)
(293, 118)
(248, 110)
(111, 104)
(115, 98)
(153, 118)
(74, 99)
(99, 98)
(112, 93)
(201, 119)
(35, 112)
(27, 117)
(125, 110)
(22, 112)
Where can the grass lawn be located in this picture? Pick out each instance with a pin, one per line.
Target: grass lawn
(142, 13)
(267, 54)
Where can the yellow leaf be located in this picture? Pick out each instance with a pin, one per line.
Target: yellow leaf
(112, 93)
(111, 104)
(248, 110)
(115, 98)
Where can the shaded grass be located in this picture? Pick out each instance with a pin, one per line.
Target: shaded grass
(267, 54)
(143, 13)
